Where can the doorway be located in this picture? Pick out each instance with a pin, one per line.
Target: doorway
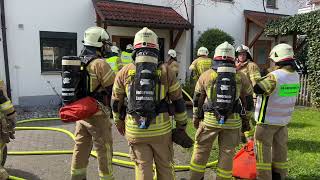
(123, 41)
(261, 50)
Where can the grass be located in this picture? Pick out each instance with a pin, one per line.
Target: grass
(303, 145)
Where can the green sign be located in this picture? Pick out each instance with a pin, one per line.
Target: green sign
(289, 90)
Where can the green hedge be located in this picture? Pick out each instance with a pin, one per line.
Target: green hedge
(308, 24)
(212, 38)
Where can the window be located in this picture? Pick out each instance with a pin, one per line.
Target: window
(55, 45)
(271, 3)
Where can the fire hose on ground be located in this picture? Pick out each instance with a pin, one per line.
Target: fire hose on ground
(119, 162)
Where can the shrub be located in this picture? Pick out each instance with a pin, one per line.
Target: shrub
(212, 38)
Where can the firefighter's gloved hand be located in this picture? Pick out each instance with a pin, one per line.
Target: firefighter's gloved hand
(245, 124)
(121, 127)
(196, 122)
(11, 123)
(11, 128)
(180, 137)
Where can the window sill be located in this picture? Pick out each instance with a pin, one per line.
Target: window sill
(225, 1)
(51, 73)
(270, 7)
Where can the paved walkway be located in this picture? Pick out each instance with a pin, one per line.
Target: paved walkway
(57, 167)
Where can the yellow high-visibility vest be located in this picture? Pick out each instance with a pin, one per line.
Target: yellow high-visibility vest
(112, 61)
(126, 58)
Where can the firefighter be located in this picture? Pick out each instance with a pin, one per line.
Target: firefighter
(7, 124)
(114, 60)
(245, 64)
(172, 61)
(148, 86)
(277, 93)
(95, 130)
(216, 102)
(126, 56)
(201, 64)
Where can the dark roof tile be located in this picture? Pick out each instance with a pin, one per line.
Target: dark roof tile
(118, 13)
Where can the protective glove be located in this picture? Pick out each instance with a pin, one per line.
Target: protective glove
(121, 127)
(196, 122)
(11, 128)
(180, 137)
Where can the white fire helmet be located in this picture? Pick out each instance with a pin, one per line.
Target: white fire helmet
(282, 52)
(129, 47)
(203, 51)
(224, 52)
(146, 38)
(95, 36)
(115, 49)
(172, 53)
(243, 48)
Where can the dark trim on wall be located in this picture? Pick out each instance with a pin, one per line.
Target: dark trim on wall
(5, 48)
(192, 31)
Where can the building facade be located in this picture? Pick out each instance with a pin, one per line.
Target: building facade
(40, 32)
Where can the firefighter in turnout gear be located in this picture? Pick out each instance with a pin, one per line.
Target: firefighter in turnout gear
(201, 64)
(245, 64)
(95, 130)
(172, 61)
(216, 102)
(277, 93)
(149, 86)
(8, 123)
(114, 60)
(126, 56)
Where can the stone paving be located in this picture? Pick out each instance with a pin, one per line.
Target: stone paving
(57, 167)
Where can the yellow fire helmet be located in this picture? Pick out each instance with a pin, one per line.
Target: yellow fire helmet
(282, 52)
(203, 51)
(146, 38)
(224, 52)
(95, 36)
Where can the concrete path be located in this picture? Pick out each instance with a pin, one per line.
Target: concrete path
(57, 167)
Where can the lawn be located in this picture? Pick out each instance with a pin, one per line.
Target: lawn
(303, 145)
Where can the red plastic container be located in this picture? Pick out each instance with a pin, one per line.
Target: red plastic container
(244, 163)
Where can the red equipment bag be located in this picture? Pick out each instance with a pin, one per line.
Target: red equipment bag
(244, 163)
(79, 110)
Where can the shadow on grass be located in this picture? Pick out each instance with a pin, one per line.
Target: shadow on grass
(298, 125)
(22, 174)
(304, 145)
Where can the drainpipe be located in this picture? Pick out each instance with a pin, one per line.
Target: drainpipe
(192, 31)
(5, 49)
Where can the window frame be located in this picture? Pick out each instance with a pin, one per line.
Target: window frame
(271, 6)
(58, 36)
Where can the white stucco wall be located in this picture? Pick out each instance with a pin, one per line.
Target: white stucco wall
(24, 44)
(312, 7)
(76, 15)
(229, 16)
(2, 70)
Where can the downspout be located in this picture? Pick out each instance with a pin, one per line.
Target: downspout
(5, 49)
(192, 31)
